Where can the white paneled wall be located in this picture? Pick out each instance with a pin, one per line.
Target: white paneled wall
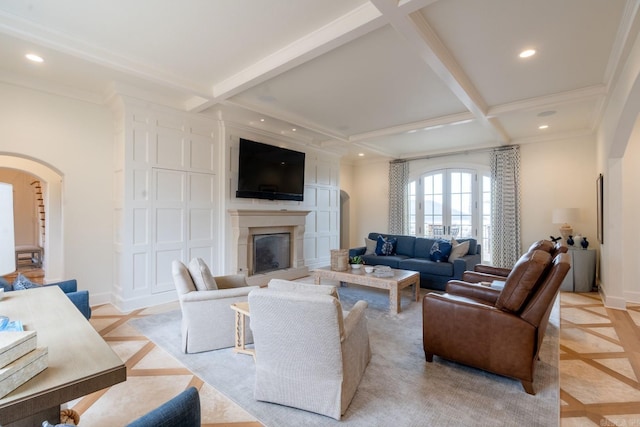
(321, 195)
(167, 199)
(175, 180)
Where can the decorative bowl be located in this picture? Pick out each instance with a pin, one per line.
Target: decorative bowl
(368, 268)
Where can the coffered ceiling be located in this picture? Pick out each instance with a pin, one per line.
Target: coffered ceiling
(379, 77)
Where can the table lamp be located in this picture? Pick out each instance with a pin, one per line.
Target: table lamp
(7, 239)
(565, 216)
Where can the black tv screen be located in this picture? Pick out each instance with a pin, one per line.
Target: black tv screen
(269, 172)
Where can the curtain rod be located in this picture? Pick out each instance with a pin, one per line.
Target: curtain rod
(453, 153)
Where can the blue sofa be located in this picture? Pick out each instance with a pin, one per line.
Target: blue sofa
(70, 287)
(413, 253)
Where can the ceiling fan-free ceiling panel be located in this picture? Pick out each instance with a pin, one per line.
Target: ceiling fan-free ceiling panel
(371, 83)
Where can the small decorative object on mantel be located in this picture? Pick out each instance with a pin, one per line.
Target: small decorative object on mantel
(555, 239)
(570, 241)
(584, 243)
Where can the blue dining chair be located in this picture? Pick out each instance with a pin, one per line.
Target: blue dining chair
(181, 411)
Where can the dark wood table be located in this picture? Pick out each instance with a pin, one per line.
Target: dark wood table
(80, 362)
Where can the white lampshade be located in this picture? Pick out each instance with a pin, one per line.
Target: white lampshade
(7, 239)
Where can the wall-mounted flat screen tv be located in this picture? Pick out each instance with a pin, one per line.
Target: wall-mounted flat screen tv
(269, 172)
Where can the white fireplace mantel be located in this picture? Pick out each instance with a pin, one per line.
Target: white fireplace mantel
(247, 222)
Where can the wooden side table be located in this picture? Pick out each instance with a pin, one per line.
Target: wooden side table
(242, 312)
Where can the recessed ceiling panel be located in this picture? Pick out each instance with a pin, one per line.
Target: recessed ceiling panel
(371, 83)
(573, 40)
(202, 41)
(562, 118)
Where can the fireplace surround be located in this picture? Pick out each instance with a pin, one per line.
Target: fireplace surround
(246, 223)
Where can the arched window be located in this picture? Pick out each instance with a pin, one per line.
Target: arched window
(454, 202)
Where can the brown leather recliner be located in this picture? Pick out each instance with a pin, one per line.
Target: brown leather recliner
(544, 245)
(497, 331)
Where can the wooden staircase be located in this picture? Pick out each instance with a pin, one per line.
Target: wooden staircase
(40, 206)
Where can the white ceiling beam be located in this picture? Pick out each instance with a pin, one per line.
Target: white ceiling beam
(422, 124)
(562, 98)
(423, 39)
(348, 27)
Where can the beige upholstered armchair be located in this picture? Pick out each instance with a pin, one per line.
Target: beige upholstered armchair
(208, 323)
(309, 353)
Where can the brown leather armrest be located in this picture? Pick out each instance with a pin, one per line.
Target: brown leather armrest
(490, 269)
(474, 277)
(473, 290)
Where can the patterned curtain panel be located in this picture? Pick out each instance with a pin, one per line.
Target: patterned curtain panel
(505, 209)
(398, 197)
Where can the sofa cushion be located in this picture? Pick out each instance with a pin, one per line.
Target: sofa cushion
(458, 249)
(201, 275)
(425, 265)
(406, 245)
(422, 247)
(386, 246)
(440, 250)
(522, 280)
(391, 260)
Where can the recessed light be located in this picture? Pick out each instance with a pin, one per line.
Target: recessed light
(527, 53)
(361, 154)
(412, 131)
(262, 120)
(294, 129)
(543, 127)
(33, 57)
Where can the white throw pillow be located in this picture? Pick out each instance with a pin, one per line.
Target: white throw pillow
(370, 246)
(458, 249)
(201, 275)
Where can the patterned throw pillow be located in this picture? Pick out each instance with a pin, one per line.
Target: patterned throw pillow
(440, 250)
(21, 283)
(386, 246)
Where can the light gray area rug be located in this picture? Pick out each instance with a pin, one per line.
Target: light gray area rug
(398, 388)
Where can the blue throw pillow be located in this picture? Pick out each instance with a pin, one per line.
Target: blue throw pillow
(440, 250)
(386, 245)
(21, 283)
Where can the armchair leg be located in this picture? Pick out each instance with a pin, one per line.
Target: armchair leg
(528, 387)
(428, 356)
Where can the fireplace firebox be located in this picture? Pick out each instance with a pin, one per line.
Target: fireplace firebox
(271, 252)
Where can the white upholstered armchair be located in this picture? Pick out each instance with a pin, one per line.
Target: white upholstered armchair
(205, 300)
(309, 354)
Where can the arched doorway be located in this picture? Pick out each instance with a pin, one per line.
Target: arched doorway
(52, 179)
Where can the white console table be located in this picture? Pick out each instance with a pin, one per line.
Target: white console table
(582, 276)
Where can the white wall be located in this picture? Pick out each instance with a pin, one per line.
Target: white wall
(554, 174)
(558, 174)
(630, 209)
(75, 139)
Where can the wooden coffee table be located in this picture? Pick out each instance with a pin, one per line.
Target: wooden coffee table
(400, 280)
